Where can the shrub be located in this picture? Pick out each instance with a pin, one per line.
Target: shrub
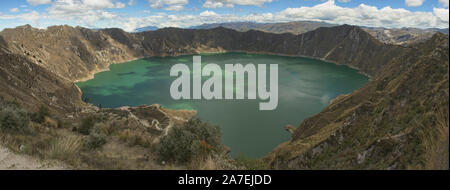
(196, 139)
(14, 119)
(87, 124)
(97, 137)
(39, 116)
(96, 140)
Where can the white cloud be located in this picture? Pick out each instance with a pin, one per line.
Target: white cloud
(38, 2)
(231, 3)
(441, 14)
(170, 5)
(208, 13)
(86, 12)
(211, 4)
(120, 5)
(14, 10)
(31, 17)
(414, 3)
(95, 4)
(96, 14)
(131, 2)
(344, 1)
(364, 15)
(444, 2)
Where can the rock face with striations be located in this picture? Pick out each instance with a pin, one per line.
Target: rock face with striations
(77, 53)
(397, 121)
(24, 81)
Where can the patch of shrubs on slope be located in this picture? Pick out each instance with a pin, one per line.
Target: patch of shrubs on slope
(13, 118)
(194, 140)
(93, 126)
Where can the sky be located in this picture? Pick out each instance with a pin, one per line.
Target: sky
(132, 14)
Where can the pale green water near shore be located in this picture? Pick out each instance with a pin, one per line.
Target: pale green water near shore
(305, 87)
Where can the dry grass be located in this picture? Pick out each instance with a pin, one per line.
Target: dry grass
(49, 122)
(65, 148)
(133, 138)
(437, 147)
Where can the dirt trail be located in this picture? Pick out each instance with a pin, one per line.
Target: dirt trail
(12, 161)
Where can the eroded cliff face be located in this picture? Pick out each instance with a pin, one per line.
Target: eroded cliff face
(78, 53)
(72, 53)
(22, 80)
(397, 121)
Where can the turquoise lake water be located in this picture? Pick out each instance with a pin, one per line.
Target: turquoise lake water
(305, 87)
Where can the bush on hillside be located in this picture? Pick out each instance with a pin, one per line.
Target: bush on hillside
(96, 139)
(39, 116)
(196, 139)
(14, 119)
(87, 124)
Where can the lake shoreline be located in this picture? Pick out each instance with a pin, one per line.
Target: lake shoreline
(306, 86)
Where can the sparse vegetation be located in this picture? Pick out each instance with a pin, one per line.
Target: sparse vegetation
(14, 119)
(39, 116)
(97, 137)
(87, 124)
(251, 163)
(64, 148)
(196, 139)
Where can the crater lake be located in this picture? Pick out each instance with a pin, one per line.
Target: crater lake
(305, 85)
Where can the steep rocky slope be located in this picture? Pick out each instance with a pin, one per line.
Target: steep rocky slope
(82, 52)
(396, 36)
(403, 36)
(397, 121)
(22, 80)
(71, 53)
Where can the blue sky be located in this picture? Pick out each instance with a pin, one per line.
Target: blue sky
(131, 14)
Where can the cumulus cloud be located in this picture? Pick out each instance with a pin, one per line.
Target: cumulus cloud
(212, 4)
(444, 2)
(231, 3)
(170, 5)
(14, 10)
(31, 17)
(414, 3)
(131, 2)
(38, 2)
(442, 14)
(86, 12)
(365, 15)
(120, 5)
(208, 13)
(95, 13)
